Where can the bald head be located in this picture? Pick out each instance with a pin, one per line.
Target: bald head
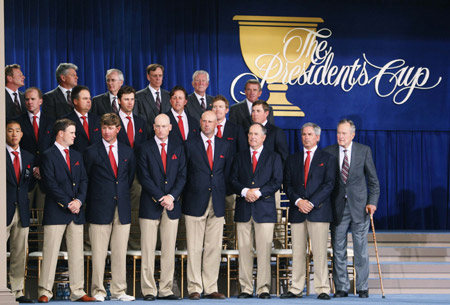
(208, 123)
(162, 127)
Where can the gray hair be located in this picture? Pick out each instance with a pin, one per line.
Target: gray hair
(198, 72)
(63, 68)
(316, 127)
(110, 71)
(263, 128)
(352, 125)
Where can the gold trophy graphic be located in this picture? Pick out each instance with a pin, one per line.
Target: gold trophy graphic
(278, 50)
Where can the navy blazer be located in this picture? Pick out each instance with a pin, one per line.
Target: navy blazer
(235, 135)
(193, 107)
(10, 107)
(321, 176)
(268, 177)
(140, 132)
(145, 106)
(175, 134)
(105, 191)
(239, 114)
(55, 104)
(17, 193)
(155, 183)
(62, 186)
(95, 133)
(276, 141)
(101, 104)
(202, 182)
(46, 136)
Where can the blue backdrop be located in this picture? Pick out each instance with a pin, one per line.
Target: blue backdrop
(410, 140)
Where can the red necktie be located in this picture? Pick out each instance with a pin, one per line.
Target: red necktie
(164, 156)
(68, 159)
(112, 160)
(85, 126)
(219, 131)
(307, 162)
(16, 164)
(130, 132)
(254, 160)
(36, 128)
(181, 126)
(209, 154)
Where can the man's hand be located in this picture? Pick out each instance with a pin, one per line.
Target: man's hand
(304, 206)
(167, 202)
(370, 209)
(251, 195)
(74, 206)
(37, 173)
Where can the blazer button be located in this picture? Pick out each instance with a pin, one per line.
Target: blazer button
(38, 152)
(166, 182)
(18, 188)
(73, 184)
(209, 189)
(117, 182)
(253, 182)
(115, 198)
(212, 175)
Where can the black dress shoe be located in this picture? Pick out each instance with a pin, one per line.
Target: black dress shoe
(290, 295)
(170, 297)
(323, 296)
(363, 293)
(149, 297)
(340, 294)
(264, 295)
(244, 295)
(23, 299)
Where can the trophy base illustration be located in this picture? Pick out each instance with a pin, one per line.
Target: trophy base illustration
(280, 105)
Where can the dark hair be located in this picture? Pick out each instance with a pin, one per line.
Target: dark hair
(9, 122)
(153, 67)
(62, 124)
(220, 97)
(9, 71)
(125, 90)
(253, 81)
(75, 95)
(178, 88)
(264, 104)
(110, 119)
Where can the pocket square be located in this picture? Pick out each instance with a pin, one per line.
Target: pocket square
(140, 130)
(77, 163)
(125, 160)
(321, 164)
(174, 157)
(28, 166)
(222, 157)
(96, 129)
(230, 139)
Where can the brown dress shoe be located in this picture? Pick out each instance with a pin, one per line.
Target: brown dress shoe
(215, 295)
(43, 299)
(86, 298)
(194, 296)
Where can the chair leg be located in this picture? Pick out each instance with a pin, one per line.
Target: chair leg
(134, 276)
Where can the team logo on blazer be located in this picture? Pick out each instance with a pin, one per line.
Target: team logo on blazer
(230, 139)
(48, 131)
(77, 163)
(321, 164)
(174, 157)
(125, 160)
(140, 130)
(222, 157)
(96, 129)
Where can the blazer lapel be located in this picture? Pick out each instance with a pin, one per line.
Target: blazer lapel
(202, 150)
(151, 101)
(10, 168)
(61, 160)
(155, 150)
(261, 161)
(104, 155)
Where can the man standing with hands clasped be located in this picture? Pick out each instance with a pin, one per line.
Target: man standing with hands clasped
(352, 204)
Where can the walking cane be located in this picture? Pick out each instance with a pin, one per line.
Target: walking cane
(376, 254)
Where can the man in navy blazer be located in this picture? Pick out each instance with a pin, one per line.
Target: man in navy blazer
(308, 182)
(133, 133)
(184, 126)
(110, 168)
(87, 124)
(241, 113)
(108, 102)
(58, 102)
(38, 137)
(208, 165)
(162, 173)
(354, 197)
(19, 174)
(14, 99)
(147, 103)
(65, 182)
(199, 101)
(256, 176)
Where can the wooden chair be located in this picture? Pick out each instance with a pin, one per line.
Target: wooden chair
(230, 252)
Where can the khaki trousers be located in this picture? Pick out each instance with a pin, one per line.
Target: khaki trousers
(53, 235)
(204, 245)
(18, 244)
(318, 232)
(149, 235)
(100, 236)
(262, 235)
